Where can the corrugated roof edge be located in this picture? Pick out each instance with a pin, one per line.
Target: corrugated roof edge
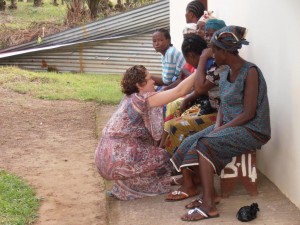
(91, 30)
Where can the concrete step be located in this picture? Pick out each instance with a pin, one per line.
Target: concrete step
(274, 207)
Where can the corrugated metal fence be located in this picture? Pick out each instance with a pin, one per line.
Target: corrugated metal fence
(103, 56)
(107, 46)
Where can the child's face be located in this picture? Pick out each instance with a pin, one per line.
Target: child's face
(200, 28)
(160, 43)
(208, 35)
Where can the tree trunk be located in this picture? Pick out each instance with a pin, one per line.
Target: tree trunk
(13, 4)
(76, 12)
(55, 3)
(2, 5)
(37, 3)
(93, 6)
(119, 6)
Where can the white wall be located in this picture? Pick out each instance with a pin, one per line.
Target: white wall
(274, 34)
(177, 21)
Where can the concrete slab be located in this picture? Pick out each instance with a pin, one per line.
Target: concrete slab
(275, 208)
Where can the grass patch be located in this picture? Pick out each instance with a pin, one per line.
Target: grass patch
(18, 204)
(104, 89)
(26, 14)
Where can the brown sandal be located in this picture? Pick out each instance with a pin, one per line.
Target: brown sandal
(178, 196)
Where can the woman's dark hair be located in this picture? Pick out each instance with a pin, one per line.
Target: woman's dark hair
(193, 43)
(196, 7)
(132, 76)
(166, 34)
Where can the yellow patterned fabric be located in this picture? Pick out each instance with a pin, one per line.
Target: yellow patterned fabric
(194, 110)
(173, 109)
(184, 126)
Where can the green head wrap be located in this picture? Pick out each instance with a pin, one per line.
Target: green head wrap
(214, 24)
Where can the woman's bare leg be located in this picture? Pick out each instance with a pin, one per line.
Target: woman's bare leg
(187, 186)
(207, 179)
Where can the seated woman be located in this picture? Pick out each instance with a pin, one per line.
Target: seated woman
(207, 79)
(243, 121)
(176, 108)
(127, 151)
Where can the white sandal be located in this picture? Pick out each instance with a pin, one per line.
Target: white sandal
(174, 181)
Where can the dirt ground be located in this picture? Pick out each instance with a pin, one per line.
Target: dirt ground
(51, 144)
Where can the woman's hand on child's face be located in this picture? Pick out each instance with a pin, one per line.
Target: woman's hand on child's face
(207, 53)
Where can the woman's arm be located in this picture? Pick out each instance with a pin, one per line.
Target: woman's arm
(219, 119)
(187, 100)
(174, 84)
(202, 85)
(183, 74)
(164, 97)
(250, 101)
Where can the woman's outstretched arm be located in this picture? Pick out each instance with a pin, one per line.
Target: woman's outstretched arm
(164, 97)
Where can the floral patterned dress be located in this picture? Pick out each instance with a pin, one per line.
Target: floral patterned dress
(127, 154)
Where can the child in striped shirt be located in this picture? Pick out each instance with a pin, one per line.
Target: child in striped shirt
(172, 59)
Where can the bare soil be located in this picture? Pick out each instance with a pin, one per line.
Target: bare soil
(51, 144)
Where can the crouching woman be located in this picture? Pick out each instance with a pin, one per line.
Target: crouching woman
(127, 152)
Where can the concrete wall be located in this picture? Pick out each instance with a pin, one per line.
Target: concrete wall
(273, 32)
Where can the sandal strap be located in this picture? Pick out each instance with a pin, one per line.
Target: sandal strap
(179, 193)
(197, 210)
(175, 181)
(199, 200)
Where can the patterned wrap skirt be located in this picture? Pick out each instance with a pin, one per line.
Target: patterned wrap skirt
(188, 124)
(217, 148)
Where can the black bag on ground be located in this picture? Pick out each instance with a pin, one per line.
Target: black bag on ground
(247, 213)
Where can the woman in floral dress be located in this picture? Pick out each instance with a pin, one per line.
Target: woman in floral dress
(127, 151)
